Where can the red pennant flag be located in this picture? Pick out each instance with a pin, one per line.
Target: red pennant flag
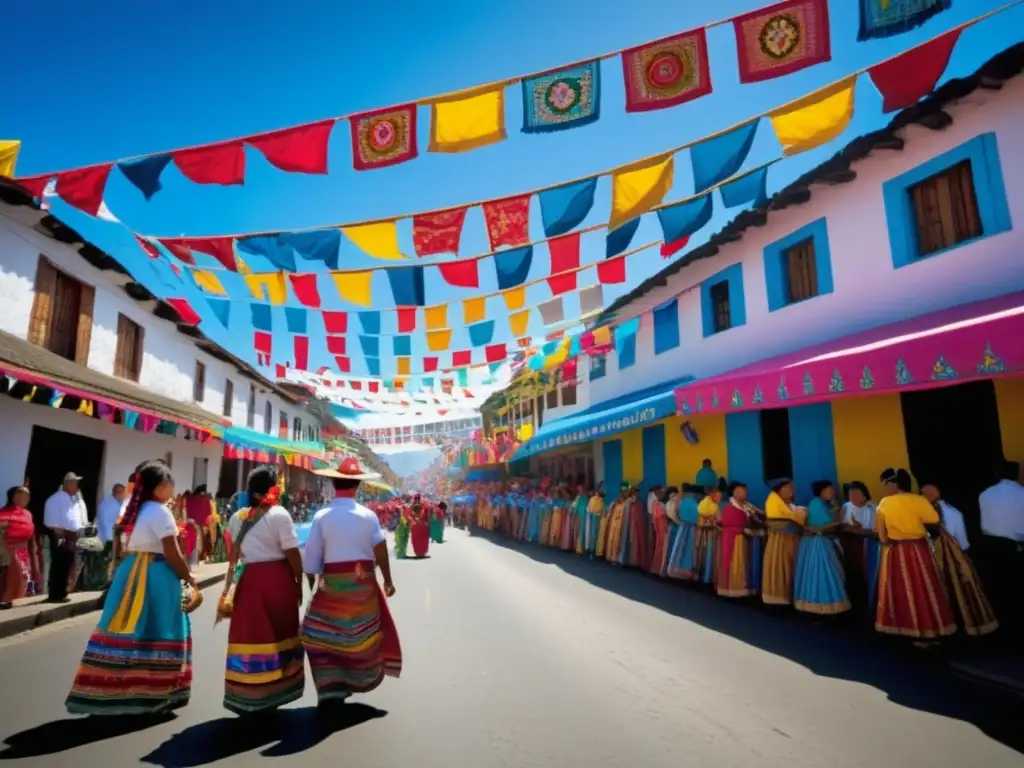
(495, 353)
(563, 283)
(913, 75)
(565, 253)
(178, 248)
(279, 371)
(305, 289)
(446, 386)
(508, 221)
(302, 149)
(301, 347)
(147, 246)
(430, 364)
(336, 322)
(345, 366)
(667, 72)
(221, 248)
(524, 343)
(83, 188)
(461, 274)
(34, 185)
(322, 369)
(555, 336)
(336, 345)
(216, 164)
(438, 232)
(188, 315)
(406, 319)
(462, 358)
(569, 369)
(669, 249)
(612, 270)
(374, 386)
(356, 385)
(263, 343)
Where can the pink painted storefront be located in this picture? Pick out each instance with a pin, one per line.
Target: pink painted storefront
(982, 340)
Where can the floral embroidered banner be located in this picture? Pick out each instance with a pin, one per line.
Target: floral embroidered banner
(384, 137)
(567, 98)
(782, 39)
(438, 232)
(668, 72)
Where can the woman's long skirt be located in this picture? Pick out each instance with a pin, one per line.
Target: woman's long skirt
(779, 566)
(436, 530)
(402, 541)
(671, 534)
(265, 664)
(601, 546)
(659, 551)
(755, 558)
(568, 529)
(680, 561)
(615, 538)
(733, 577)
(139, 658)
(964, 587)
(590, 534)
(819, 585)
(638, 553)
(704, 554)
(911, 599)
(419, 533)
(348, 632)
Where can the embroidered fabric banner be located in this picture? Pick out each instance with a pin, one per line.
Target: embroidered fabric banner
(513, 266)
(270, 286)
(566, 98)
(591, 299)
(667, 72)
(9, 157)
(782, 39)
(913, 75)
(438, 341)
(469, 120)
(639, 187)
(209, 282)
(407, 286)
(474, 310)
(751, 188)
(481, 333)
(619, 239)
(514, 298)
(885, 18)
(217, 164)
(354, 287)
(815, 119)
(436, 317)
(719, 157)
(564, 208)
(683, 220)
(438, 232)
(508, 221)
(302, 149)
(384, 137)
(552, 311)
(378, 239)
(518, 322)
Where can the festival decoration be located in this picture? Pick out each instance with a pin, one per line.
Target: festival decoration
(639, 187)
(751, 187)
(912, 75)
(508, 221)
(384, 137)
(720, 156)
(561, 99)
(302, 149)
(618, 240)
(815, 119)
(667, 72)
(212, 164)
(438, 232)
(563, 208)
(782, 39)
(682, 220)
(9, 149)
(468, 120)
(886, 18)
(209, 282)
(378, 239)
(518, 322)
(354, 287)
(305, 289)
(269, 286)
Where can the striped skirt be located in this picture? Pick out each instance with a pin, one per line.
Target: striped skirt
(911, 600)
(139, 658)
(348, 632)
(819, 585)
(265, 667)
(680, 559)
(779, 566)
(967, 596)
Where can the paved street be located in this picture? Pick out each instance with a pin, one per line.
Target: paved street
(516, 656)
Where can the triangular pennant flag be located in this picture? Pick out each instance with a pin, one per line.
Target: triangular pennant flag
(83, 187)
(378, 239)
(564, 208)
(144, 173)
(638, 187)
(354, 287)
(302, 149)
(215, 164)
(719, 157)
(815, 119)
(306, 290)
(912, 75)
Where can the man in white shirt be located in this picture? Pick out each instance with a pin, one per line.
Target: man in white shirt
(952, 518)
(63, 515)
(107, 513)
(1002, 521)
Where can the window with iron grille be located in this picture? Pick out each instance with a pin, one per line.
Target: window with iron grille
(945, 209)
(801, 271)
(720, 306)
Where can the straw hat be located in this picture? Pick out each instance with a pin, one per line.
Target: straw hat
(349, 469)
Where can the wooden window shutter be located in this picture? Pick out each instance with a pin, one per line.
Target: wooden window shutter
(42, 304)
(85, 306)
(140, 336)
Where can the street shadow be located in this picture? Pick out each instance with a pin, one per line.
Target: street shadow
(845, 648)
(282, 733)
(61, 735)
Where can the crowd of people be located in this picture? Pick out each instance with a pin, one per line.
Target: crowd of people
(415, 520)
(138, 660)
(902, 562)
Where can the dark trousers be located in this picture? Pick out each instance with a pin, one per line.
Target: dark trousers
(62, 558)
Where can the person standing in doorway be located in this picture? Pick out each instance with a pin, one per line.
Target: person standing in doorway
(707, 477)
(63, 515)
(1002, 522)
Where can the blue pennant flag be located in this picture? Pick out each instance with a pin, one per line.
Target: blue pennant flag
(686, 218)
(373, 366)
(295, 320)
(221, 310)
(261, 317)
(619, 239)
(370, 346)
(280, 249)
(144, 174)
(564, 208)
(481, 333)
(719, 158)
(407, 286)
(752, 188)
(402, 346)
(370, 321)
(512, 267)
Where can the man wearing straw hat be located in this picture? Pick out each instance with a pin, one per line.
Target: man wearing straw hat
(348, 631)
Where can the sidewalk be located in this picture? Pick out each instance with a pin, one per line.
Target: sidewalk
(31, 612)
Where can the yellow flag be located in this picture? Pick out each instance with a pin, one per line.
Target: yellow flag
(209, 282)
(474, 310)
(243, 268)
(468, 121)
(639, 187)
(436, 317)
(438, 341)
(354, 286)
(379, 239)
(815, 119)
(8, 156)
(404, 365)
(515, 298)
(270, 286)
(518, 322)
(602, 336)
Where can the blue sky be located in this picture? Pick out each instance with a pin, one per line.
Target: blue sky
(90, 82)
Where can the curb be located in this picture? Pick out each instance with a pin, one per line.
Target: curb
(57, 613)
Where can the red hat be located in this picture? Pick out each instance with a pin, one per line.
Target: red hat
(349, 469)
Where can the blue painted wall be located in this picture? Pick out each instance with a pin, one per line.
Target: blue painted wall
(813, 447)
(655, 462)
(611, 452)
(746, 462)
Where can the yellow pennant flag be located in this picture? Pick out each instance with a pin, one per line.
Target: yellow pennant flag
(209, 282)
(8, 156)
(474, 310)
(439, 341)
(518, 322)
(515, 298)
(815, 119)
(436, 317)
(639, 187)
(469, 120)
(404, 365)
(270, 286)
(379, 239)
(354, 287)
(602, 336)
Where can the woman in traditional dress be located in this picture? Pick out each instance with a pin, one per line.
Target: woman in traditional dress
(911, 599)
(784, 521)
(704, 540)
(17, 533)
(670, 503)
(265, 663)
(659, 525)
(436, 524)
(139, 658)
(419, 528)
(963, 586)
(681, 563)
(568, 536)
(555, 526)
(861, 548)
(637, 551)
(402, 533)
(734, 575)
(616, 535)
(592, 529)
(544, 511)
(819, 585)
(348, 632)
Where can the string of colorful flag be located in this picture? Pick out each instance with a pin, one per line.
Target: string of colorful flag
(775, 41)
